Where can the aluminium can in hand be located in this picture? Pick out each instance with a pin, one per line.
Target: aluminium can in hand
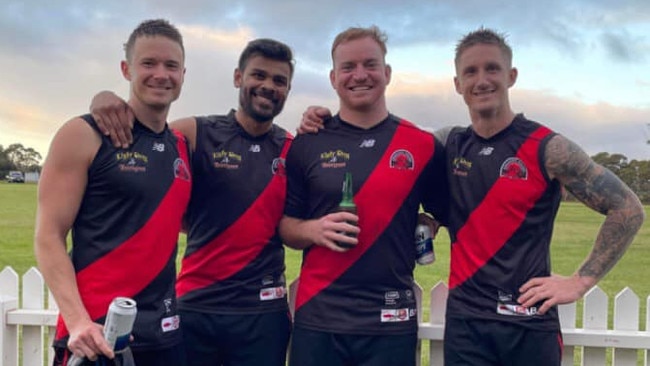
(119, 322)
(424, 253)
(117, 327)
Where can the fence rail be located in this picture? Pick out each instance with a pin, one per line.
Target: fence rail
(36, 321)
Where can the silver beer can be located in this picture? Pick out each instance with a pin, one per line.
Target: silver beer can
(424, 253)
(117, 327)
(119, 322)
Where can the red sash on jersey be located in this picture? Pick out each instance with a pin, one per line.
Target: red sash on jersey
(241, 242)
(134, 264)
(323, 266)
(468, 256)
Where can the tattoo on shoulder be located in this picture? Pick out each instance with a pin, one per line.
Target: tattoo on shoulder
(589, 182)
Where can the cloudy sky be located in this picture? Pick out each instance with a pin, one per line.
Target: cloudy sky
(584, 65)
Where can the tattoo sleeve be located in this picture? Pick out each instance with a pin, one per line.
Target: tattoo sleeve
(602, 191)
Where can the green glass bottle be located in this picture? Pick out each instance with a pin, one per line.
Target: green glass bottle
(347, 205)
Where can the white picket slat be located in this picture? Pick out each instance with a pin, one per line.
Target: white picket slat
(33, 299)
(594, 317)
(8, 302)
(567, 321)
(626, 317)
(437, 311)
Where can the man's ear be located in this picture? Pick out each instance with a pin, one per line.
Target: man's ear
(236, 78)
(513, 76)
(124, 65)
(457, 85)
(388, 73)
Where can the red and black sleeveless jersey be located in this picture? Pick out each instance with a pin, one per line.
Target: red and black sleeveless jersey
(234, 261)
(124, 238)
(503, 205)
(395, 167)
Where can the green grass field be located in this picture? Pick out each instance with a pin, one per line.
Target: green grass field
(574, 233)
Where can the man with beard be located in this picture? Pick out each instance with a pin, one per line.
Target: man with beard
(231, 288)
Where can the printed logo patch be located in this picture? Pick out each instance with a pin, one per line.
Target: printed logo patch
(272, 293)
(515, 310)
(168, 305)
(278, 167)
(461, 166)
(486, 151)
(181, 170)
(514, 168)
(226, 159)
(170, 323)
(158, 146)
(131, 161)
(395, 315)
(402, 160)
(334, 159)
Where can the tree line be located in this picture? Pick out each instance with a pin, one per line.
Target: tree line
(635, 173)
(19, 157)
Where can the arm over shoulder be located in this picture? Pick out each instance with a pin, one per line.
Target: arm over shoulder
(186, 126)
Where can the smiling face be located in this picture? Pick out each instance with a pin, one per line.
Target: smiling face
(156, 71)
(263, 87)
(360, 74)
(483, 76)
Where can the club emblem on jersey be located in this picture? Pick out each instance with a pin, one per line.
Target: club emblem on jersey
(334, 159)
(402, 160)
(226, 159)
(514, 168)
(180, 170)
(278, 167)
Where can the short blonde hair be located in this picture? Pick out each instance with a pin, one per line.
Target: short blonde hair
(354, 33)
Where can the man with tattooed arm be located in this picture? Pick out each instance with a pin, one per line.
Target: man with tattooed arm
(505, 176)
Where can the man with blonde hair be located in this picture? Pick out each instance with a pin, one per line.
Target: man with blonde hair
(355, 302)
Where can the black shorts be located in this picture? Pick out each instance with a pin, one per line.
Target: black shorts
(165, 356)
(314, 348)
(237, 340)
(496, 343)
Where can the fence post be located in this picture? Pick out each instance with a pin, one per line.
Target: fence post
(8, 301)
(594, 316)
(33, 299)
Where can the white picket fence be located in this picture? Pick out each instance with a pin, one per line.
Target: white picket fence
(36, 323)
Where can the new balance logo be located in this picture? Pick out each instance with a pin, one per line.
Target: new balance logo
(367, 143)
(254, 148)
(486, 151)
(158, 147)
